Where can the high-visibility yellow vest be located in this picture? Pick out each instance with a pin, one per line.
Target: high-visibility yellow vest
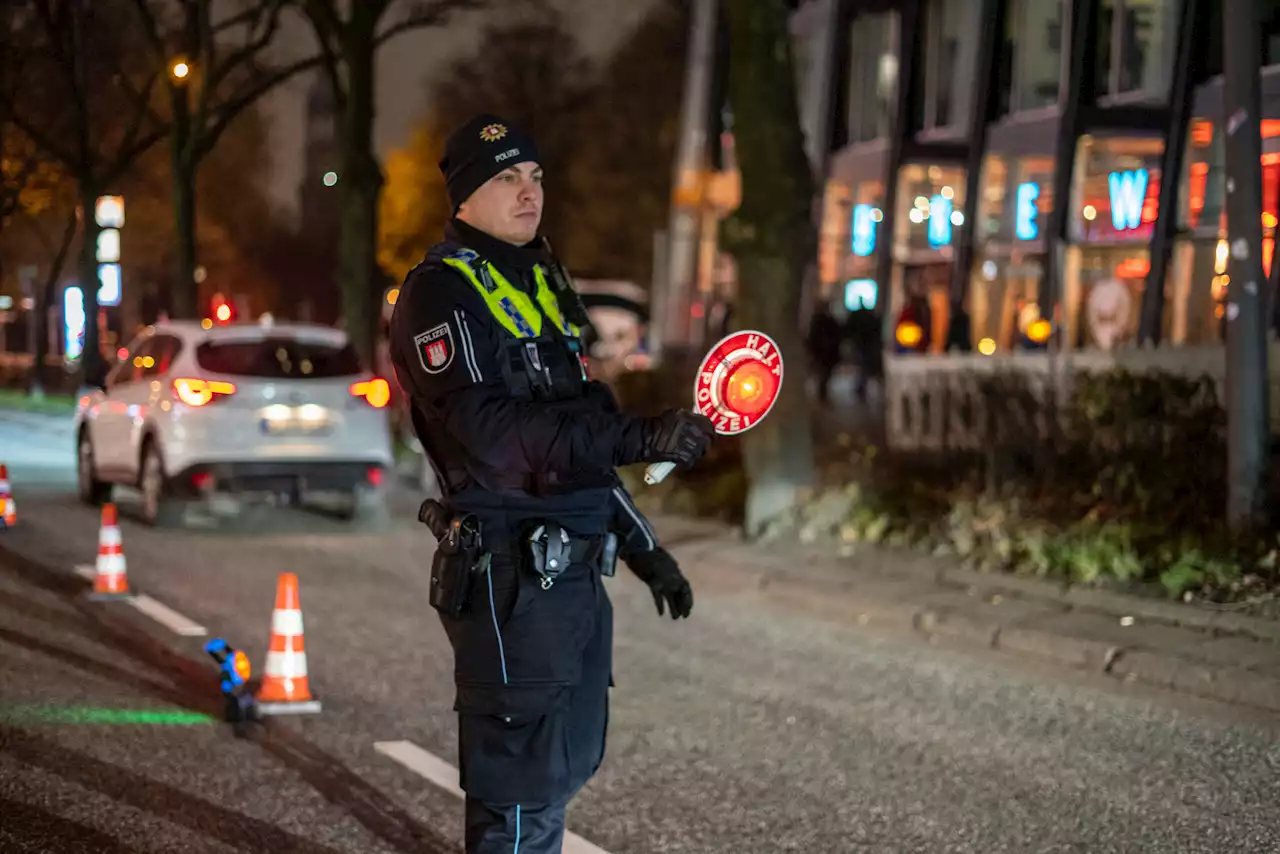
(509, 305)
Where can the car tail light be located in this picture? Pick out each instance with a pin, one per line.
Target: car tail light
(195, 392)
(374, 476)
(376, 392)
(202, 480)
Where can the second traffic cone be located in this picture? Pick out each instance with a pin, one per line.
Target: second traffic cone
(285, 687)
(111, 581)
(8, 507)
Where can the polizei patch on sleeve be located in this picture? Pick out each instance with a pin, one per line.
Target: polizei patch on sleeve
(435, 348)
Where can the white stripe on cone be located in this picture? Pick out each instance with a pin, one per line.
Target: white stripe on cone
(287, 665)
(110, 537)
(286, 622)
(111, 564)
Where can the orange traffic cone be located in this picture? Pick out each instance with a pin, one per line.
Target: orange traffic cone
(285, 689)
(8, 507)
(112, 579)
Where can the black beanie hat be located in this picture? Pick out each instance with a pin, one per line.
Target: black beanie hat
(480, 149)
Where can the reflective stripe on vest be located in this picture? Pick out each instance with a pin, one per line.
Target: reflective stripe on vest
(509, 305)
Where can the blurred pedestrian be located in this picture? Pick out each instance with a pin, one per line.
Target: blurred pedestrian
(824, 349)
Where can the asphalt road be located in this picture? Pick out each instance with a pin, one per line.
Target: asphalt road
(747, 728)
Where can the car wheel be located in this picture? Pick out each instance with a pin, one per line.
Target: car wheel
(158, 507)
(363, 506)
(91, 490)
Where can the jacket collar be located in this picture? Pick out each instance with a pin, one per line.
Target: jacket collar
(517, 259)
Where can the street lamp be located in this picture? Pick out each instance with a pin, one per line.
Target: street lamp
(179, 70)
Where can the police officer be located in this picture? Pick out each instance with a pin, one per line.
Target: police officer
(485, 341)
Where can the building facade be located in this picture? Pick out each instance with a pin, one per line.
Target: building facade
(995, 162)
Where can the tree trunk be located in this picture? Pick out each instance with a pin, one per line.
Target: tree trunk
(184, 294)
(91, 365)
(43, 301)
(777, 454)
(1248, 408)
(772, 237)
(359, 182)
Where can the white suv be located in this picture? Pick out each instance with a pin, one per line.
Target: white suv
(263, 408)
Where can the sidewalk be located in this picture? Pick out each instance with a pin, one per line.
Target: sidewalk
(42, 421)
(1217, 654)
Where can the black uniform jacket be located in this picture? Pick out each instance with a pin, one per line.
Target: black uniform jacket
(507, 458)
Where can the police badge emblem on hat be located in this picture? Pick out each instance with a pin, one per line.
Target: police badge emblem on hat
(493, 133)
(435, 348)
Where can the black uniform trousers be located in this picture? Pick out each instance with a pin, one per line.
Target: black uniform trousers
(532, 668)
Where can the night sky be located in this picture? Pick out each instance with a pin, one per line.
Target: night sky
(403, 65)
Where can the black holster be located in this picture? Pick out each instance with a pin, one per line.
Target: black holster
(459, 558)
(436, 517)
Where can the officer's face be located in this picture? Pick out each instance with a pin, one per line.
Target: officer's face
(509, 205)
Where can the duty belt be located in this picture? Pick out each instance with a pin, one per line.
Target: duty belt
(578, 550)
(551, 549)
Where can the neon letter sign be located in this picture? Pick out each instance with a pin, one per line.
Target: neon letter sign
(73, 320)
(939, 221)
(1025, 225)
(1128, 191)
(860, 294)
(864, 231)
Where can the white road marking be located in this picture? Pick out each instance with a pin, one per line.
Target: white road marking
(445, 776)
(158, 611)
(423, 764)
(167, 617)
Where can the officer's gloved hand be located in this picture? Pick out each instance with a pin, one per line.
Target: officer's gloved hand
(677, 436)
(659, 570)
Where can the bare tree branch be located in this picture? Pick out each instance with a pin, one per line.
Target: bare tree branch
(251, 15)
(226, 112)
(427, 14)
(126, 157)
(329, 29)
(64, 155)
(255, 42)
(129, 148)
(209, 57)
(324, 16)
(45, 10)
(150, 26)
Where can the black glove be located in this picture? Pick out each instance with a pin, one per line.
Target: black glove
(659, 570)
(676, 436)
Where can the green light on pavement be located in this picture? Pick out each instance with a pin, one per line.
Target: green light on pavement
(95, 715)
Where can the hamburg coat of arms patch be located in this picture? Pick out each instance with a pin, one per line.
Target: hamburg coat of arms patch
(435, 348)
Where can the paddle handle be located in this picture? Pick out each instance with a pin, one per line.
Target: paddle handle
(657, 472)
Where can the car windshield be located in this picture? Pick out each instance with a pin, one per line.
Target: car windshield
(278, 358)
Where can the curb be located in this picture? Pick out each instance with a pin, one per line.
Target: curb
(1128, 663)
(947, 574)
(1118, 603)
(1135, 663)
(47, 422)
(942, 605)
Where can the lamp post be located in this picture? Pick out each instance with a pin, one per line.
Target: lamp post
(1248, 415)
